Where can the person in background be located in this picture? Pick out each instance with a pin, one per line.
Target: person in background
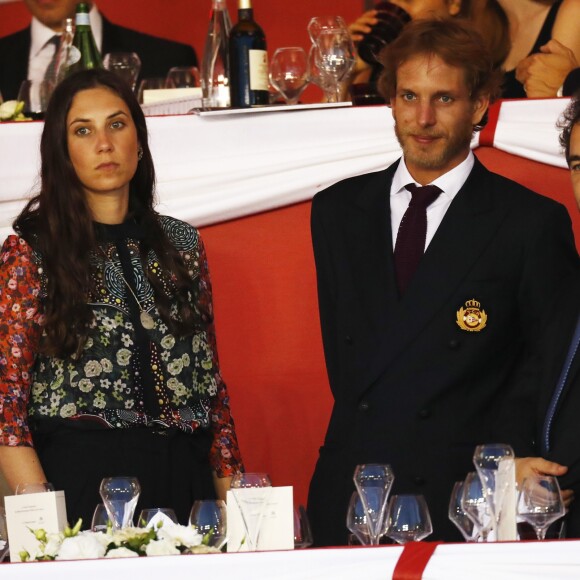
(541, 45)
(428, 296)
(548, 389)
(108, 360)
(26, 54)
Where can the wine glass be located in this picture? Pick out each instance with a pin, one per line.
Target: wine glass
(320, 23)
(457, 514)
(156, 517)
(356, 519)
(335, 57)
(302, 531)
(209, 518)
(35, 96)
(4, 549)
(127, 65)
(149, 84)
(408, 519)
(491, 461)
(540, 503)
(251, 492)
(33, 487)
(180, 77)
(101, 521)
(475, 505)
(289, 72)
(373, 482)
(120, 495)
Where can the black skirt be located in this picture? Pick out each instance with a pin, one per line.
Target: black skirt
(171, 466)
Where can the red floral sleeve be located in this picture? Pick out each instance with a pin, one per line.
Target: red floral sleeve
(225, 457)
(19, 334)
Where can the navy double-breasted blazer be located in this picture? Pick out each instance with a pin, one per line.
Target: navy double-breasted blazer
(411, 387)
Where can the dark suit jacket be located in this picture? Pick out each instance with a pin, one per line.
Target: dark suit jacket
(157, 54)
(532, 393)
(411, 388)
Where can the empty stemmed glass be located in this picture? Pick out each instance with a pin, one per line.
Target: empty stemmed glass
(319, 24)
(33, 487)
(156, 517)
(474, 503)
(408, 519)
(127, 65)
(373, 482)
(209, 518)
(289, 72)
(251, 492)
(356, 519)
(120, 495)
(302, 531)
(492, 462)
(335, 57)
(540, 503)
(457, 514)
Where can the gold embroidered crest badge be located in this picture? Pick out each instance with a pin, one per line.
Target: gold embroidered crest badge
(471, 318)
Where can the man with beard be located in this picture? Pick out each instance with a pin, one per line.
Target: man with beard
(428, 296)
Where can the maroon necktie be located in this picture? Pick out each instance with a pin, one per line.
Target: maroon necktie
(410, 245)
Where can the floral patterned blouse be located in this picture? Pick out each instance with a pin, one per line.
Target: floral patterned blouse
(127, 375)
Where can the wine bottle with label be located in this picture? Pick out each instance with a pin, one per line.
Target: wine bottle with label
(215, 70)
(248, 60)
(84, 53)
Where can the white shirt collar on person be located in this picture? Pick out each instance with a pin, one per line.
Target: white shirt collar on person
(41, 54)
(450, 184)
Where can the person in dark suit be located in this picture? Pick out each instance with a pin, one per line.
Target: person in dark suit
(420, 347)
(548, 387)
(17, 63)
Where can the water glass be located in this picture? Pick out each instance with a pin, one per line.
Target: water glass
(540, 503)
(101, 521)
(251, 492)
(120, 495)
(35, 96)
(156, 517)
(356, 520)
(302, 531)
(180, 77)
(33, 487)
(289, 73)
(209, 518)
(127, 65)
(457, 514)
(408, 519)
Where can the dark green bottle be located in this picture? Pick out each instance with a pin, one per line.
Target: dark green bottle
(87, 54)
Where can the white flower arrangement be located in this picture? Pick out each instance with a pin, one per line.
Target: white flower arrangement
(12, 111)
(163, 540)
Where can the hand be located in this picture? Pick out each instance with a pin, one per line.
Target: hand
(543, 73)
(362, 25)
(529, 466)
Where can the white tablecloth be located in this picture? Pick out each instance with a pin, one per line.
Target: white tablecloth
(212, 169)
(506, 561)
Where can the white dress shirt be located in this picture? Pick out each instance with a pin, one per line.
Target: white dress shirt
(450, 183)
(42, 50)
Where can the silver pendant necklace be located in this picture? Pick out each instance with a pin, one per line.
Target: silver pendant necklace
(145, 318)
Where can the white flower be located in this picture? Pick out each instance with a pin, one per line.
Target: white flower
(53, 545)
(107, 365)
(161, 548)
(93, 368)
(68, 410)
(81, 547)
(11, 110)
(123, 356)
(180, 535)
(168, 341)
(121, 553)
(86, 385)
(175, 367)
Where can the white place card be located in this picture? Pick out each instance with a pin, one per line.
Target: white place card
(32, 511)
(506, 481)
(277, 520)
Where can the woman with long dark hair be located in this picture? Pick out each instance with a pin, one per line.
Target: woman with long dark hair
(108, 361)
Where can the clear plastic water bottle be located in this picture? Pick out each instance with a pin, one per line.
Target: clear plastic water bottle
(215, 71)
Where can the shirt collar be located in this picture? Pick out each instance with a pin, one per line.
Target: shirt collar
(450, 183)
(41, 34)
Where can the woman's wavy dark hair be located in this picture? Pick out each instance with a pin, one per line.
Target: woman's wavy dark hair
(59, 224)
